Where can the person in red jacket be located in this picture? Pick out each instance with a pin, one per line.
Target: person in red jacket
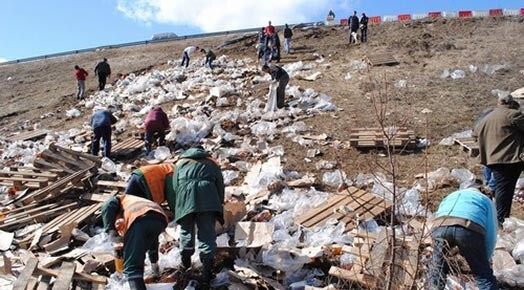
(270, 29)
(156, 123)
(81, 75)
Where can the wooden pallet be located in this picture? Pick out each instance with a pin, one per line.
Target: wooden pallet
(127, 147)
(29, 135)
(66, 160)
(468, 145)
(59, 187)
(373, 138)
(21, 217)
(380, 59)
(35, 276)
(359, 202)
(77, 216)
(22, 179)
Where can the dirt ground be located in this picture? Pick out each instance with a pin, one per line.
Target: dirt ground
(423, 48)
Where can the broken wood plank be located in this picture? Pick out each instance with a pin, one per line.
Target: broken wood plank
(30, 135)
(65, 276)
(77, 276)
(362, 279)
(380, 59)
(27, 272)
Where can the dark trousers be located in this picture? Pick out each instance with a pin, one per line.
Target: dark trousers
(205, 222)
(102, 77)
(150, 138)
(209, 62)
(103, 132)
(142, 238)
(135, 187)
(364, 34)
(471, 246)
(185, 59)
(506, 176)
(281, 91)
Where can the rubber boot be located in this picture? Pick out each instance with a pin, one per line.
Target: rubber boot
(186, 262)
(136, 284)
(207, 271)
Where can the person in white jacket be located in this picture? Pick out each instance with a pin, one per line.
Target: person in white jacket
(188, 51)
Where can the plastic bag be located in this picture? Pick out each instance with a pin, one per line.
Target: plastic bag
(73, 113)
(464, 177)
(108, 165)
(229, 176)
(162, 153)
(512, 276)
(518, 252)
(334, 178)
(99, 244)
(283, 260)
(458, 74)
(271, 105)
(221, 280)
(473, 68)
(445, 74)
(401, 84)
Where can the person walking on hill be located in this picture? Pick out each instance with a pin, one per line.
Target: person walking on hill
(210, 57)
(465, 219)
(364, 28)
(188, 51)
(287, 39)
(103, 70)
(353, 23)
(500, 136)
(140, 222)
(262, 42)
(101, 123)
(278, 74)
(81, 75)
(270, 29)
(152, 182)
(156, 123)
(198, 200)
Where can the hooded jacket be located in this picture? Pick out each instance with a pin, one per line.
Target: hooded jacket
(198, 185)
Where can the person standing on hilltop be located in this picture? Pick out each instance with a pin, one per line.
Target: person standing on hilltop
(364, 28)
(81, 75)
(103, 70)
(353, 23)
(287, 39)
(188, 51)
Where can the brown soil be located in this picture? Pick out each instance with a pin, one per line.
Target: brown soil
(423, 48)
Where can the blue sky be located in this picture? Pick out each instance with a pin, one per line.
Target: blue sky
(37, 27)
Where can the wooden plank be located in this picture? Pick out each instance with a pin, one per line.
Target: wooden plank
(43, 163)
(45, 281)
(77, 276)
(27, 272)
(47, 175)
(90, 157)
(68, 162)
(37, 217)
(65, 276)
(36, 134)
(364, 280)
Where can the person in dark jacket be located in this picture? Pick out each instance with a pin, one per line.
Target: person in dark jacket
(353, 27)
(101, 123)
(279, 75)
(81, 75)
(275, 48)
(364, 28)
(140, 222)
(156, 123)
(500, 136)
(287, 39)
(210, 57)
(261, 46)
(103, 70)
(198, 201)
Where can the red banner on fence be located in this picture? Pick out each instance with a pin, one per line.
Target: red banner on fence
(375, 19)
(344, 22)
(434, 14)
(465, 14)
(404, 17)
(521, 11)
(496, 12)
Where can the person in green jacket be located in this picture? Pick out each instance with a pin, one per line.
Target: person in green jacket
(198, 199)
